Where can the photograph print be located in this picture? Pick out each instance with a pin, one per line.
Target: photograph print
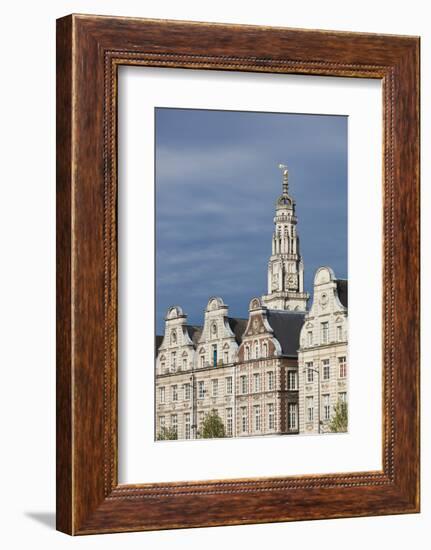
(251, 274)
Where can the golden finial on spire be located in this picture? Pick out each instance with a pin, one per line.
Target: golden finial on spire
(285, 172)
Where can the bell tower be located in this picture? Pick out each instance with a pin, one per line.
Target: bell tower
(285, 266)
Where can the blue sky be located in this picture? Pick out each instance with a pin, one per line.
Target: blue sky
(216, 185)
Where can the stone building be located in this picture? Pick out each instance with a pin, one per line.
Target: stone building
(252, 371)
(285, 266)
(322, 358)
(266, 372)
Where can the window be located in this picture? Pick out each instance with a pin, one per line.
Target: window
(226, 357)
(214, 388)
(292, 416)
(326, 407)
(256, 378)
(229, 422)
(342, 396)
(184, 363)
(271, 416)
(187, 431)
(173, 337)
(214, 330)
(162, 394)
(202, 361)
(187, 392)
(244, 419)
(174, 360)
(256, 350)
(339, 333)
(326, 369)
(309, 338)
(162, 423)
(325, 332)
(257, 423)
(174, 393)
(271, 381)
(214, 355)
(310, 409)
(247, 353)
(265, 350)
(291, 380)
(342, 367)
(229, 385)
(243, 383)
(174, 423)
(310, 371)
(163, 366)
(201, 389)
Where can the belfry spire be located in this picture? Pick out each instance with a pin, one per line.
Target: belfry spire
(285, 266)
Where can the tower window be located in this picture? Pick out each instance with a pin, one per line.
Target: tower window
(271, 416)
(326, 369)
(291, 380)
(271, 380)
(325, 332)
(310, 372)
(243, 382)
(310, 409)
(326, 407)
(257, 419)
(229, 423)
(342, 367)
(244, 419)
(292, 416)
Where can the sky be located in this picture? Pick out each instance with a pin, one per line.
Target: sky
(217, 180)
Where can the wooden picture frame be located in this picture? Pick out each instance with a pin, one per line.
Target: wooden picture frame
(89, 51)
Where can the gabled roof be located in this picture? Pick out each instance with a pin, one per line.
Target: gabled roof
(342, 290)
(238, 327)
(158, 342)
(194, 332)
(287, 327)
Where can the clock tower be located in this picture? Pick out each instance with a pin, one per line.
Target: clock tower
(285, 266)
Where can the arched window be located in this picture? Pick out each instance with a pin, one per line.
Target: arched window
(247, 353)
(256, 350)
(173, 337)
(265, 349)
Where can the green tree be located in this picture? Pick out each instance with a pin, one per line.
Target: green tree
(167, 433)
(340, 419)
(212, 426)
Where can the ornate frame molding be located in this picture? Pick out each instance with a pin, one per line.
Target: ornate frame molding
(89, 498)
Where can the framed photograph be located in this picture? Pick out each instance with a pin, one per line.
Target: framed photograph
(237, 274)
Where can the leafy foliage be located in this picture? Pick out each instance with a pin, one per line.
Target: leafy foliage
(167, 433)
(339, 421)
(212, 426)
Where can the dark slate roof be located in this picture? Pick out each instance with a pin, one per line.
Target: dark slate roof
(342, 290)
(287, 327)
(238, 327)
(195, 332)
(159, 340)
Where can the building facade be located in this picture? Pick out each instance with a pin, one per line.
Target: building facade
(322, 357)
(251, 372)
